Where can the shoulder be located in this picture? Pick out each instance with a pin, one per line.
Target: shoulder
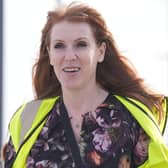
(35, 104)
(27, 115)
(140, 110)
(30, 108)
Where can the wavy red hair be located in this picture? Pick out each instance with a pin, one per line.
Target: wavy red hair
(114, 74)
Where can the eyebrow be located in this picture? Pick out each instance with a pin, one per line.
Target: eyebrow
(78, 39)
(55, 40)
(81, 38)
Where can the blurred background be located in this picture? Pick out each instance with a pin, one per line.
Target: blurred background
(139, 27)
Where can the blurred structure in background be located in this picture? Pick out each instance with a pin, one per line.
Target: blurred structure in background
(1, 72)
(1, 67)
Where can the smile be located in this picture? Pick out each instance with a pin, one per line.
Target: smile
(72, 69)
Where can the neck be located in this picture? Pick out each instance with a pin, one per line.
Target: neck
(85, 100)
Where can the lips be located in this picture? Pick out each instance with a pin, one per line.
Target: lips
(71, 69)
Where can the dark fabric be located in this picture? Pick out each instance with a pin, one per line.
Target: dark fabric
(110, 138)
(69, 133)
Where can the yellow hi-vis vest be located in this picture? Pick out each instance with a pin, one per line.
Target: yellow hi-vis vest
(157, 151)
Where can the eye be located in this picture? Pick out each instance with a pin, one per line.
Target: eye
(81, 44)
(59, 45)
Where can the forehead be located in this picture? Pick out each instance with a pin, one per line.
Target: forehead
(67, 29)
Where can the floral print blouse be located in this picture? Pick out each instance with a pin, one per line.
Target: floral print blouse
(110, 138)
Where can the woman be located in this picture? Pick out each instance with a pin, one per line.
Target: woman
(91, 109)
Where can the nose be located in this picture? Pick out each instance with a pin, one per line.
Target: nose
(70, 54)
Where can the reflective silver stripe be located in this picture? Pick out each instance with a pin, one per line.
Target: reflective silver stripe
(28, 116)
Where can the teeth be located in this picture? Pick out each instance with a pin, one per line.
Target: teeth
(71, 69)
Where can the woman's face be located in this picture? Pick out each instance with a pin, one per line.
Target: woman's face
(74, 54)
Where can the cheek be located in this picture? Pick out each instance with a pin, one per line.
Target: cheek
(92, 60)
(88, 57)
(55, 59)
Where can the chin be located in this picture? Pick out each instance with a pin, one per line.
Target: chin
(71, 86)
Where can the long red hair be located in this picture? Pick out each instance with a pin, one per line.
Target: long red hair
(114, 74)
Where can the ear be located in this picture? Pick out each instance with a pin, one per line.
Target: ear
(101, 52)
